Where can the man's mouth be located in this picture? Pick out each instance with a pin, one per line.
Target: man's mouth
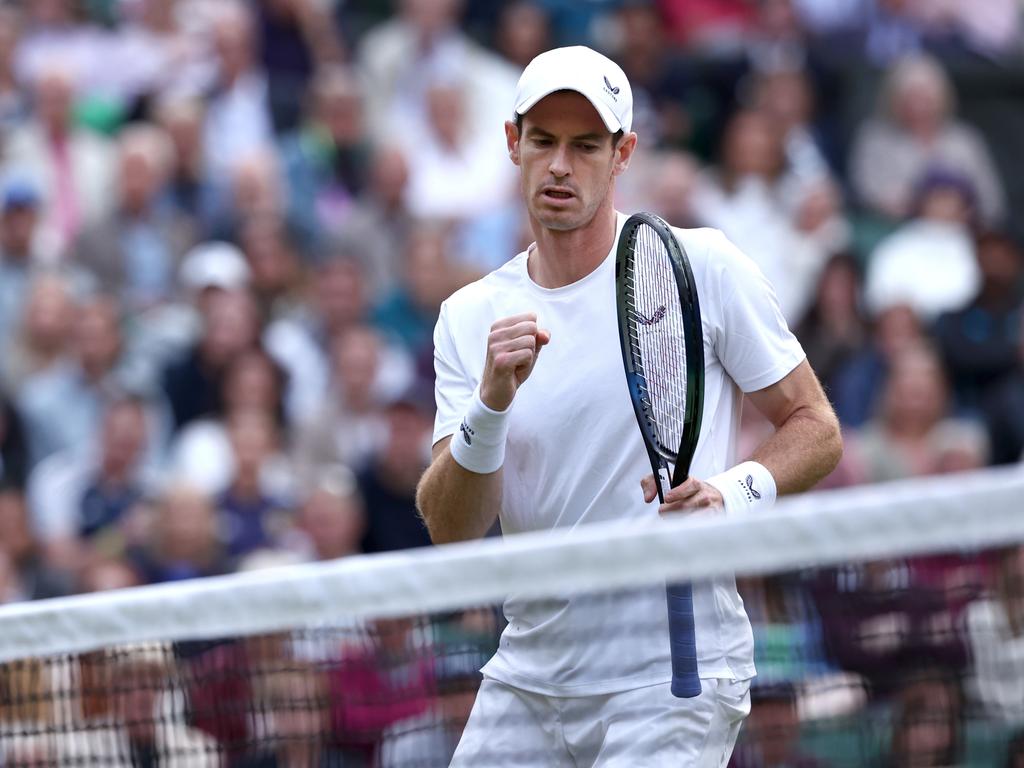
(557, 193)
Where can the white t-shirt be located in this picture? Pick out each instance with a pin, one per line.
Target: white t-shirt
(575, 456)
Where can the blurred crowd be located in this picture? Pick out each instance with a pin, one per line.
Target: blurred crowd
(226, 228)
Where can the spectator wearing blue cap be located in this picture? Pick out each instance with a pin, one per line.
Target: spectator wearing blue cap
(19, 218)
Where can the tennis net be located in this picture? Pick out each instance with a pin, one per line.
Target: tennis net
(888, 625)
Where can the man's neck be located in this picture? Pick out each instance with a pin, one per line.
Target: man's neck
(563, 257)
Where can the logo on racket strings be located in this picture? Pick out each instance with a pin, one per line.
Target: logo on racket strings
(658, 316)
(467, 432)
(750, 487)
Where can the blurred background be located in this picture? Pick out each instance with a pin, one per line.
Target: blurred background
(226, 229)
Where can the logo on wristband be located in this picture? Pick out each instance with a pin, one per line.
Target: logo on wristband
(750, 487)
(467, 432)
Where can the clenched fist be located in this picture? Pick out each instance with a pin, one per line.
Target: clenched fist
(512, 349)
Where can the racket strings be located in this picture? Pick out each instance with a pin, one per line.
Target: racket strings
(657, 334)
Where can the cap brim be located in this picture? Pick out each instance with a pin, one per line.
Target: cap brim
(607, 116)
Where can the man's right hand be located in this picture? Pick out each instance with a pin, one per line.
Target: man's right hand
(512, 349)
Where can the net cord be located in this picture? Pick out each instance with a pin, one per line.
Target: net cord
(965, 511)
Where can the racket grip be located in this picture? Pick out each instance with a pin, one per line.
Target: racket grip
(683, 641)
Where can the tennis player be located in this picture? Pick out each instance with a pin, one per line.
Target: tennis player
(535, 426)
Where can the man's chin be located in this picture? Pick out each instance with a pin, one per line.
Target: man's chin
(560, 221)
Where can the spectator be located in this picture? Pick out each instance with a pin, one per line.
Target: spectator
(59, 31)
(248, 517)
(277, 276)
(14, 458)
(432, 736)
(408, 315)
(79, 501)
(669, 186)
(711, 26)
(252, 188)
(376, 683)
(979, 342)
(295, 38)
(661, 80)
(900, 441)
(916, 129)
(405, 56)
(29, 577)
(202, 453)
(929, 725)
(857, 384)
(62, 405)
(747, 200)
(995, 626)
(327, 160)
(237, 121)
(332, 519)
(771, 738)
(378, 228)
(188, 187)
(14, 107)
(193, 384)
(523, 30)
(297, 706)
(388, 482)
(136, 251)
(456, 172)
(1003, 409)
(135, 723)
(183, 541)
(152, 52)
(835, 330)
(74, 168)
(21, 252)
(41, 337)
(936, 242)
(341, 298)
(348, 427)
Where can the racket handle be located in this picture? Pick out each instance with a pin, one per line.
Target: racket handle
(683, 640)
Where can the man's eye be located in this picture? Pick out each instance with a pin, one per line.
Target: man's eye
(588, 147)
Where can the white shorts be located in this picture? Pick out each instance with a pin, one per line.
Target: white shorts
(647, 727)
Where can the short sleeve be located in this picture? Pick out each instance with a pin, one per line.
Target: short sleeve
(751, 338)
(453, 386)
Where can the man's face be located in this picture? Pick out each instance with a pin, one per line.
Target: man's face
(567, 160)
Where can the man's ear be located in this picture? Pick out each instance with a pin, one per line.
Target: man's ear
(512, 141)
(623, 153)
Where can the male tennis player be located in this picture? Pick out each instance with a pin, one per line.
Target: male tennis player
(535, 426)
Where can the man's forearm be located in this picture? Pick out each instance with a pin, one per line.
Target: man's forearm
(457, 504)
(803, 450)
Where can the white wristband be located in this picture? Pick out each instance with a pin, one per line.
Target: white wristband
(479, 445)
(747, 487)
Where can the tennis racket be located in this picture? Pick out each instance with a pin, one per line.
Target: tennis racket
(663, 354)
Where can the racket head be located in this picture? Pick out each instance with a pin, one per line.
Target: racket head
(661, 338)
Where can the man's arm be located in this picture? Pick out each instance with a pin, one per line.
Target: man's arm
(805, 447)
(457, 503)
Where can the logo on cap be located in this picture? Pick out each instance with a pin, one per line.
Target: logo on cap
(613, 90)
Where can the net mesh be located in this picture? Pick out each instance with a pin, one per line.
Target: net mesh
(888, 625)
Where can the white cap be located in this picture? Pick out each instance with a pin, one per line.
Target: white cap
(214, 264)
(582, 70)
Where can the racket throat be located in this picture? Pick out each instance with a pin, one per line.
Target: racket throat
(663, 477)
